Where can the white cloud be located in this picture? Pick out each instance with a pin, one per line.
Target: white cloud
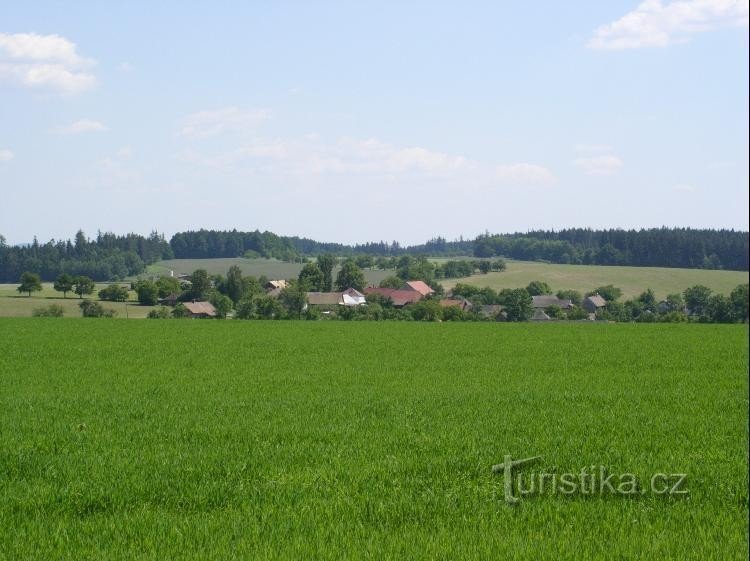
(211, 123)
(598, 165)
(653, 24)
(311, 157)
(6, 155)
(82, 126)
(524, 174)
(44, 62)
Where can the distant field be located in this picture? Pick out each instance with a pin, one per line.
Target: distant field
(272, 268)
(13, 304)
(180, 439)
(632, 280)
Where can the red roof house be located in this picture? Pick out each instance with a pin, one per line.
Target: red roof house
(418, 286)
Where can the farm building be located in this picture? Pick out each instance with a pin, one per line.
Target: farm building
(400, 298)
(200, 309)
(170, 299)
(461, 303)
(418, 286)
(592, 303)
(539, 315)
(493, 311)
(547, 300)
(349, 297)
(353, 297)
(278, 284)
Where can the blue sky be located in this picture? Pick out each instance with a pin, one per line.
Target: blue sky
(349, 122)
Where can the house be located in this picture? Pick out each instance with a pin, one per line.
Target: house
(274, 292)
(200, 309)
(494, 311)
(418, 286)
(539, 315)
(400, 298)
(462, 303)
(349, 297)
(546, 300)
(279, 284)
(593, 303)
(323, 298)
(353, 297)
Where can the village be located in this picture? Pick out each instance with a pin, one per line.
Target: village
(543, 307)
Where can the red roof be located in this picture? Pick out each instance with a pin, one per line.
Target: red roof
(399, 297)
(418, 286)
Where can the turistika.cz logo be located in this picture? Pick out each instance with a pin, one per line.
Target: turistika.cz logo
(591, 480)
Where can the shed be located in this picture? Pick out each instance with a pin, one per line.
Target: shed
(200, 309)
(592, 303)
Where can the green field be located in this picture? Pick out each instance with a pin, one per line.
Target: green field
(362, 440)
(271, 268)
(632, 280)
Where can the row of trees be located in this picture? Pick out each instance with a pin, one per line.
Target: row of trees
(80, 285)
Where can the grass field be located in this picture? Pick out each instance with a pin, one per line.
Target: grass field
(13, 304)
(271, 268)
(632, 280)
(329, 440)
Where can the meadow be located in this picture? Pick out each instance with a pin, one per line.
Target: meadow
(362, 440)
(271, 268)
(13, 304)
(631, 280)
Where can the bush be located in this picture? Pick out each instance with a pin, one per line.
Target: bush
(114, 293)
(453, 313)
(426, 310)
(162, 312)
(180, 311)
(91, 309)
(537, 288)
(148, 292)
(51, 311)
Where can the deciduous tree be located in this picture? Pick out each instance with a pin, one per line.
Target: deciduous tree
(63, 283)
(30, 282)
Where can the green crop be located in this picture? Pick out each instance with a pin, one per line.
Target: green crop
(333, 440)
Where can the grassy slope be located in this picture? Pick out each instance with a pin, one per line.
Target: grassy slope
(325, 440)
(632, 280)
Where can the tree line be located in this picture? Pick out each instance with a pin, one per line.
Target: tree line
(106, 257)
(656, 247)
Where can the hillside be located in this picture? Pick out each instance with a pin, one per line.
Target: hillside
(632, 280)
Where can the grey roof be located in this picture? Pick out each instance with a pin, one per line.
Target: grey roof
(324, 298)
(597, 300)
(546, 300)
(539, 315)
(200, 308)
